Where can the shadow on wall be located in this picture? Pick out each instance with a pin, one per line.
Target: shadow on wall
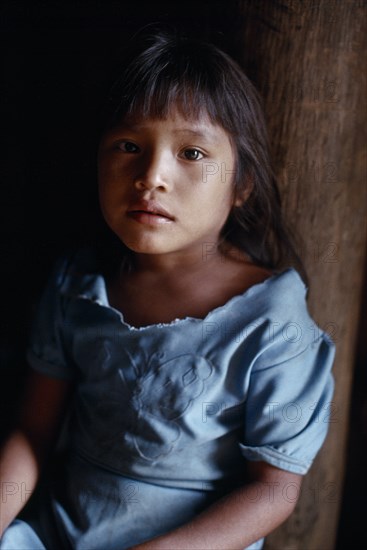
(351, 526)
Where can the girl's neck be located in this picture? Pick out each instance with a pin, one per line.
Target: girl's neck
(161, 292)
(173, 265)
(198, 262)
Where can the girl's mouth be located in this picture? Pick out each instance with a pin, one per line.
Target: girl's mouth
(149, 218)
(149, 212)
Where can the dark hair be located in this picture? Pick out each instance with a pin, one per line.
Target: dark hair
(167, 70)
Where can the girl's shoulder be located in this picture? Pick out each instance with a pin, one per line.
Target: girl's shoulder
(80, 261)
(275, 286)
(72, 269)
(277, 292)
(278, 297)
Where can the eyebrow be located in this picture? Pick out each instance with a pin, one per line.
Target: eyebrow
(195, 133)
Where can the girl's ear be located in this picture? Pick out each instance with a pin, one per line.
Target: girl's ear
(242, 196)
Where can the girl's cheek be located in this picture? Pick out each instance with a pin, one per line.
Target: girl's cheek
(110, 167)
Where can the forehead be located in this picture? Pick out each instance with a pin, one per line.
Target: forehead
(177, 124)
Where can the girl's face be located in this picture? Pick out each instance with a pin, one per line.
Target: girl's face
(165, 186)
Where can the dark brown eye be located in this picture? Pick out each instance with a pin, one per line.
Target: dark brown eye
(193, 154)
(128, 147)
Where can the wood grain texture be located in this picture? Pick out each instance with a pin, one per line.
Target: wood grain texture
(308, 61)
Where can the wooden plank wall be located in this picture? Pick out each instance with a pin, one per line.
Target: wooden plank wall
(308, 60)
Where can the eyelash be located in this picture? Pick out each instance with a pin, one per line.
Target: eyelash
(122, 147)
(197, 151)
(123, 144)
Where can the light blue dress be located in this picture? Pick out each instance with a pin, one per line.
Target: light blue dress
(167, 415)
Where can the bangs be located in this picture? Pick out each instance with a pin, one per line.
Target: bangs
(161, 97)
(161, 80)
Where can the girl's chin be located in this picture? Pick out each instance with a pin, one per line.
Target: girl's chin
(147, 248)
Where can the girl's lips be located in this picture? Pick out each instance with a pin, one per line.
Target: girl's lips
(149, 212)
(149, 218)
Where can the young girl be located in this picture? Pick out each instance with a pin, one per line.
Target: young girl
(200, 382)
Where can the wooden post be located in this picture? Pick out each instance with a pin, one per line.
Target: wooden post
(307, 59)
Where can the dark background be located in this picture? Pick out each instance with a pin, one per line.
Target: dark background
(57, 62)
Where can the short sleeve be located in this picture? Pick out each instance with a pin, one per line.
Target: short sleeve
(47, 347)
(289, 403)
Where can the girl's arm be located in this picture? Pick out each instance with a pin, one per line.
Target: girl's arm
(240, 518)
(26, 448)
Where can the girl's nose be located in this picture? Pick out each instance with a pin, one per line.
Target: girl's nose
(153, 173)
